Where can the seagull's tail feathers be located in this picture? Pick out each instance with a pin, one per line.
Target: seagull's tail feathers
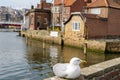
(59, 69)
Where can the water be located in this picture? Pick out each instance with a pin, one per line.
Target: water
(29, 61)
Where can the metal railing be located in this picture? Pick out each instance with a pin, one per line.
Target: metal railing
(9, 22)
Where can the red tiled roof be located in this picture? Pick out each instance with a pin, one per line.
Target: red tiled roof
(114, 3)
(104, 3)
(98, 3)
(66, 2)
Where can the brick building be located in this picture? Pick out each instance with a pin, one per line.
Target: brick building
(40, 17)
(69, 7)
(102, 19)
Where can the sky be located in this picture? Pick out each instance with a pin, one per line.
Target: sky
(19, 4)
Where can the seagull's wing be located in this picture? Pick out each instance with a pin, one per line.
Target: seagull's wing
(59, 69)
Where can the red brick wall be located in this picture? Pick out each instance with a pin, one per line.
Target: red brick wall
(96, 28)
(44, 5)
(104, 28)
(39, 17)
(43, 24)
(114, 22)
(112, 75)
(47, 6)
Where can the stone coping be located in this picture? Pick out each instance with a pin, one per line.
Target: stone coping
(101, 68)
(96, 70)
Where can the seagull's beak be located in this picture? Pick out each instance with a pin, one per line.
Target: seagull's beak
(84, 62)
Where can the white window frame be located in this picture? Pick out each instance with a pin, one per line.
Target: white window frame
(95, 10)
(76, 26)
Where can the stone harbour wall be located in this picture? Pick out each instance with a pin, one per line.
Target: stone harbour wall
(41, 35)
(108, 70)
(113, 46)
(94, 45)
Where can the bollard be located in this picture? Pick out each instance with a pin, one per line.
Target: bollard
(43, 43)
(85, 48)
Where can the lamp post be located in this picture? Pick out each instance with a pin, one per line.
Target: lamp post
(53, 16)
(62, 15)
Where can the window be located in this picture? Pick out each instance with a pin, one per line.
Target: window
(95, 11)
(38, 24)
(76, 26)
(45, 21)
(56, 9)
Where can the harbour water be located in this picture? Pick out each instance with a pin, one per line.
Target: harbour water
(21, 60)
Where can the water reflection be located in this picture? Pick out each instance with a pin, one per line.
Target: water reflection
(29, 61)
(53, 54)
(39, 59)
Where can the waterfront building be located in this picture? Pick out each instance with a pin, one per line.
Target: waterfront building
(74, 29)
(62, 11)
(40, 17)
(102, 19)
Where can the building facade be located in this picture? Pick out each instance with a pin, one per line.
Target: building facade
(40, 17)
(102, 19)
(75, 29)
(62, 12)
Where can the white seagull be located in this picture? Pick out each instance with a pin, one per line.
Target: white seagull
(68, 70)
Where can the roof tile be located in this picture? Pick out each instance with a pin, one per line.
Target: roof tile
(98, 3)
(66, 2)
(104, 3)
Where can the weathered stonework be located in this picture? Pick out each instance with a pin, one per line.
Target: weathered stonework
(100, 45)
(73, 37)
(113, 46)
(96, 44)
(41, 35)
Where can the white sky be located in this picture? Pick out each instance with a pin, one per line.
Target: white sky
(19, 4)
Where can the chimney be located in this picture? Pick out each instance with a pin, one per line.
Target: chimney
(43, 1)
(32, 7)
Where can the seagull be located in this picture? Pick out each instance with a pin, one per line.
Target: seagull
(69, 70)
